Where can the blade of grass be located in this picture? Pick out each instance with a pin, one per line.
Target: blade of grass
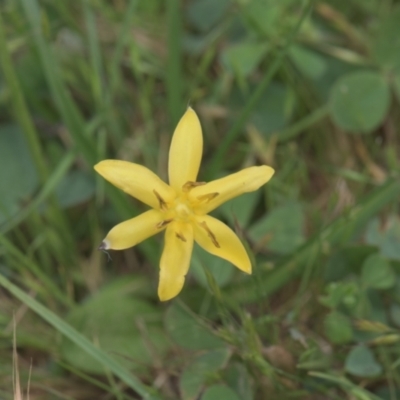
(80, 340)
(26, 262)
(94, 381)
(97, 67)
(217, 161)
(20, 108)
(44, 193)
(357, 391)
(119, 47)
(174, 77)
(337, 233)
(300, 126)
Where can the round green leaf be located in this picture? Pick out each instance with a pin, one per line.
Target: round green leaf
(204, 14)
(189, 331)
(128, 327)
(243, 58)
(281, 230)
(386, 238)
(338, 328)
(221, 270)
(310, 63)
(200, 370)
(238, 378)
(361, 362)
(377, 273)
(76, 187)
(219, 392)
(359, 101)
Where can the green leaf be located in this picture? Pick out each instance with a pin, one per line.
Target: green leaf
(395, 314)
(120, 324)
(377, 273)
(338, 293)
(75, 188)
(188, 331)
(221, 270)
(310, 63)
(240, 209)
(273, 111)
(204, 14)
(243, 58)
(281, 230)
(361, 362)
(269, 17)
(386, 238)
(396, 85)
(359, 101)
(18, 177)
(346, 261)
(313, 358)
(238, 378)
(386, 44)
(338, 328)
(200, 370)
(218, 392)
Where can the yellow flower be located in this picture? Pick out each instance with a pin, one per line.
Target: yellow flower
(181, 207)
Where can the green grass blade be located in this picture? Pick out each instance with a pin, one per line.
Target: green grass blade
(21, 112)
(357, 391)
(96, 63)
(45, 192)
(300, 126)
(123, 37)
(26, 262)
(80, 340)
(174, 75)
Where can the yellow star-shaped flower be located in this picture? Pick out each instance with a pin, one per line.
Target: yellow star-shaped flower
(181, 207)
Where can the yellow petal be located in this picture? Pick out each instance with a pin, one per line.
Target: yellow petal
(136, 180)
(216, 238)
(133, 231)
(185, 151)
(175, 259)
(213, 194)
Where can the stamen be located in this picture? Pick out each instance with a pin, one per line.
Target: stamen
(206, 198)
(164, 223)
(161, 201)
(180, 236)
(210, 234)
(189, 185)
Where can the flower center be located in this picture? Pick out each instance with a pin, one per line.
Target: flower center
(182, 209)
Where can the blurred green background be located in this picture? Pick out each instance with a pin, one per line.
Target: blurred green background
(311, 88)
